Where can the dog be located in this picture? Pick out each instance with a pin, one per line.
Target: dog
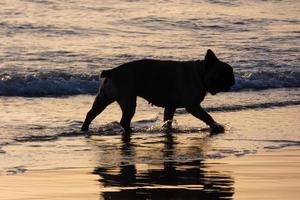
(163, 83)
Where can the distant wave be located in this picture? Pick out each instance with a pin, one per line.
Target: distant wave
(47, 84)
(62, 83)
(267, 79)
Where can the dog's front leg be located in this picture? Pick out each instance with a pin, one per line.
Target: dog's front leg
(198, 112)
(168, 117)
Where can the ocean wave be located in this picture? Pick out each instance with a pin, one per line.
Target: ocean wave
(259, 80)
(55, 83)
(47, 84)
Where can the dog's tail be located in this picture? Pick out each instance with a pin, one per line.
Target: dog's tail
(105, 74)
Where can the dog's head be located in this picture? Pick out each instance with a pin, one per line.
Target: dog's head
(218, 75)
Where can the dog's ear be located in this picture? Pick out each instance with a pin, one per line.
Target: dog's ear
(210, 58)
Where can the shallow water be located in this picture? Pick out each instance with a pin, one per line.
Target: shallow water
(42, 135)
(52, 126)
(151, 164)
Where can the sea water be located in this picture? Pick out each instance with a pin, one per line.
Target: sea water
(52, 52)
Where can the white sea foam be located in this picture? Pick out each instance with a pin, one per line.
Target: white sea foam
(45, 84)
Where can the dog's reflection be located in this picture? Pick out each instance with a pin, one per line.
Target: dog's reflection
(169, 180)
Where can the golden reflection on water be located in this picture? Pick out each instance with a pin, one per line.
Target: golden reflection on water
(168, 178)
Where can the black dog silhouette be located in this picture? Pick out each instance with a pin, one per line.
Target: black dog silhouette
(168, 84)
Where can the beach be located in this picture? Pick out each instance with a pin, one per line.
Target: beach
(271, 175)
(268, 175)
(52, 54)
(245, 162)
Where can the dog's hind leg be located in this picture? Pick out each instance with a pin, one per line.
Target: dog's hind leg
(128, 106)
(100, 103)
(168, 117)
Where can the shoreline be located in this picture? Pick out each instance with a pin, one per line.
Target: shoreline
(188, 164)
(265, 175)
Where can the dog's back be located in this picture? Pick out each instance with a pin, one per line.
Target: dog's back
(160, 82)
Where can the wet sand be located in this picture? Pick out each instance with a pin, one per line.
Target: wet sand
(257, 158)
(269, 175)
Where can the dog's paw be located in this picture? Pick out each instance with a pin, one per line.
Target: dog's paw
(84, 128)
(216, 128)
(167, 125)
(127, 130)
